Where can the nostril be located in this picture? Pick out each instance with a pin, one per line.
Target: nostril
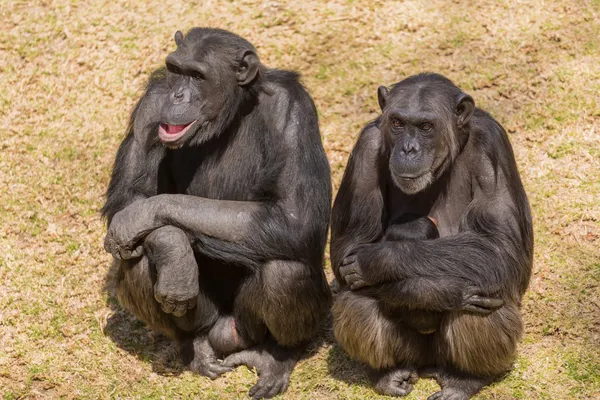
(409, 150)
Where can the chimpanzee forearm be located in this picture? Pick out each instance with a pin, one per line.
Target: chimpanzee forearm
(220, 219)
(235, 231)
(170, 252)
(411, 227)
(483, 262)
(435, 294)
(133, 178)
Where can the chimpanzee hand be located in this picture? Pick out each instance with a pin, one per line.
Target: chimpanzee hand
(475, 302)
(128, 227)
(353, 269)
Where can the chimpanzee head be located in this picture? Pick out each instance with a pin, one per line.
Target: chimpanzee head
(210, 75)
(424, 121)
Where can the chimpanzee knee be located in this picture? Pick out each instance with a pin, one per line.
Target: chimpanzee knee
(368, 335)
(480, 345)
(293, 299)
(135, 292)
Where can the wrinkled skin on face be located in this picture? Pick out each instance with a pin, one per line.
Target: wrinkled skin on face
(204, 77)
(423, 129)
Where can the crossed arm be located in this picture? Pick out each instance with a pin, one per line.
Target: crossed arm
(464, 271)
(248, 232)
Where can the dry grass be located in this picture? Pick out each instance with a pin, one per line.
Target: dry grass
(71, 71)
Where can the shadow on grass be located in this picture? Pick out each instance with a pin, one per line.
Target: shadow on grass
(131, 335)
(341, 367)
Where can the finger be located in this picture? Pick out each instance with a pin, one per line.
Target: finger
(351, 278)
(116, 252)
(158, 297)
(435, 396)
(108, 244)
(344, 273)
(191, 303)
(477, 310)
(274, 391)
(180, 310)
(212, 375)
(486, 302)
(259, 390)
(137, 252)
(398, 390)
(124, 253)
(429, 372)
(237, 359)
(349, 260)
(111, 247)
(414, 377)
(348, 270)
(219, 369)
(285, 385)
(167, 307)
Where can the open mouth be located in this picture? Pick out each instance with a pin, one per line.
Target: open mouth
(171, 133)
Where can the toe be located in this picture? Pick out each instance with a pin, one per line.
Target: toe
(261, 389)
(435, 396)
(274, 391)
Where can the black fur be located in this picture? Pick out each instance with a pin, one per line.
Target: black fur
(411, 300)
(219, 234)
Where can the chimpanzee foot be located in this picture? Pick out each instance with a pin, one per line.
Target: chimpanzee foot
(177, 287)
(457, 386)
(198, 356)
(274, 365)
(449, 394)
(395, 382)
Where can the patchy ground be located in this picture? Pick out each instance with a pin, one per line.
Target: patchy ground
(72, 70)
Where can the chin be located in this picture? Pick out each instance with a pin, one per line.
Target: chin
(413, 185)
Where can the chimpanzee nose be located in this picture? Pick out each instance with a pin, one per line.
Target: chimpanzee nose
(181, 95)
(410, 147)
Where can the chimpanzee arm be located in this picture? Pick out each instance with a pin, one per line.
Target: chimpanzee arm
(289, 226)
(411, 227)
(136, 171)
(357, 220)
(491, 252)
(358, 208)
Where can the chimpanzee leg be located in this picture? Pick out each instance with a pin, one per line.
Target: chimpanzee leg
(135, 292)
(290, 300)
(386, 344)
(162, 288)
(475, 350)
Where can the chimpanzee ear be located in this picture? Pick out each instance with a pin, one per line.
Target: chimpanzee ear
(178, 38)
(247, 68)
(382, 95)
(464, 109)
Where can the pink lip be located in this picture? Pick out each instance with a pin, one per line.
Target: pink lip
(171, 133)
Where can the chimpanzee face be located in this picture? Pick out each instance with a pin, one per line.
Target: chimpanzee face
(420, 125)
(205, 77)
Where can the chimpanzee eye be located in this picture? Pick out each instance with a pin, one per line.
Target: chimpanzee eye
(426, 127)
(397, 122)
(197, 75)
(172, 68)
